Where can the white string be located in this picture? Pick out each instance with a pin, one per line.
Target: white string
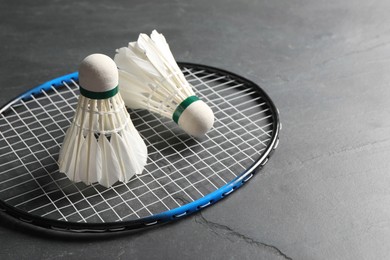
(43, 127)
(27, 168)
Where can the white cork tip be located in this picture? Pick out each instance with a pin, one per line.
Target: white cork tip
(197, 119)
(98, 73)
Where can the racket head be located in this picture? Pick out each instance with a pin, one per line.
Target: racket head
(183, 174)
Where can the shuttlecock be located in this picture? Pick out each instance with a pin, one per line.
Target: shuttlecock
(101, 145)
(151, 79)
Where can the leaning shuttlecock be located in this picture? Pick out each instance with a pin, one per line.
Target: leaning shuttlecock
(101, 145)
(151, 79)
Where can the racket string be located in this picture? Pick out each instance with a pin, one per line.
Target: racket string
(48, 152)
(216, 128)
(226, 101)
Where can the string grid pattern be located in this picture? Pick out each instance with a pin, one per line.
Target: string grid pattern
(180, 168)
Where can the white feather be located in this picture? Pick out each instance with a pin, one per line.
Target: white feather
(70, 164)
(130, 163)
(69, 138)
(90, 160)
(149, 76)
(139, 151)
(110, 164)
(88, 155)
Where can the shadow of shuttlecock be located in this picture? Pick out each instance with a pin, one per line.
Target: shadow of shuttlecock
(161, 133)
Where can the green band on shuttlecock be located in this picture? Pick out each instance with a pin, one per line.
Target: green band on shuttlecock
(99, 95)
(183, 105)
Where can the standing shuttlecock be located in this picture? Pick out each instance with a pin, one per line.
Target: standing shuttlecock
(101, 145)
(150, 78)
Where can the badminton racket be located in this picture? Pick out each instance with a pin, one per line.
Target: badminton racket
(183, 174)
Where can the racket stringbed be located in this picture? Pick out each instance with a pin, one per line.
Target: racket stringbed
(183, 174)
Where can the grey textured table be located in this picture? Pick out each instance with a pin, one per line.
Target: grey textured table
(325, 194)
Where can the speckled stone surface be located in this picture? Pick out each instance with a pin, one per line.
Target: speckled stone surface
(325, 194)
